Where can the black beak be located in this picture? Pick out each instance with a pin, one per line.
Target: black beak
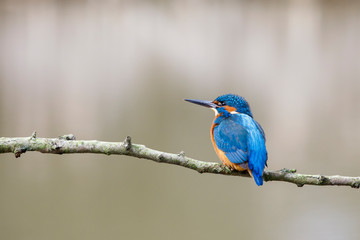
(208, 104)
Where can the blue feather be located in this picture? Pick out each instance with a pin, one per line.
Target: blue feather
(242, 140)
(231, 138)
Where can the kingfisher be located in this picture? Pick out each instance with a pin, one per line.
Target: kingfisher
(238, 140)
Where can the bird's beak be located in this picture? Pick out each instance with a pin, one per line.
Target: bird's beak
(208, 104)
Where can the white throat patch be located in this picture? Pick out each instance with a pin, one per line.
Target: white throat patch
(216, 112)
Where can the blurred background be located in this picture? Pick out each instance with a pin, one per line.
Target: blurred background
(108, 69)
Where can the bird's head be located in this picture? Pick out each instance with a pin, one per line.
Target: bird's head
(226, 104)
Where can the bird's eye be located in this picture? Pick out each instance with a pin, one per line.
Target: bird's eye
(221, 104)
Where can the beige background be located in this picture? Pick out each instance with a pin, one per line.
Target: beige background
(107, 69)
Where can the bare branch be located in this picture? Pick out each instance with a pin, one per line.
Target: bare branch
(67, 144)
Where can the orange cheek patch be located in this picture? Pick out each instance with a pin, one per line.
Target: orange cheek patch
(230, 109)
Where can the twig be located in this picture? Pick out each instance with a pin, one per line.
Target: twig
(67, 144)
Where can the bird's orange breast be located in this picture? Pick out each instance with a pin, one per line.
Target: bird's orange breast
(221, 154)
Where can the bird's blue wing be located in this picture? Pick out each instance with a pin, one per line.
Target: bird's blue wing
(242, 140)
(231, 138)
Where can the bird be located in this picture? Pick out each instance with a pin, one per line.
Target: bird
(238, 140)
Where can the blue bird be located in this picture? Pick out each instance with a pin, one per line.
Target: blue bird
(238, 140)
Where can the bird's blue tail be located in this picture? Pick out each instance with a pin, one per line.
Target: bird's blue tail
(256, 166)
(257, 177)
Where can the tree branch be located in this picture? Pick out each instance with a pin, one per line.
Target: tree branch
(68, 144)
